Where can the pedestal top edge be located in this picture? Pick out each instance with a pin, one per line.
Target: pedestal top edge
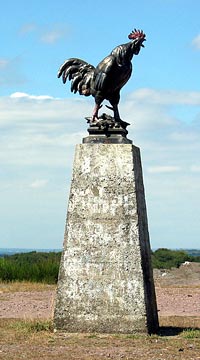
(128, 145)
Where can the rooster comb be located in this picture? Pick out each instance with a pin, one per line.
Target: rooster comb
(137, 34)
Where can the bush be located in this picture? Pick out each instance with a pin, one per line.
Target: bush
(33, 266)
(166, 259)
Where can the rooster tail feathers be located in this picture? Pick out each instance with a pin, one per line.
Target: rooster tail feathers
(74, 83)
(79, 72)
(68, 63)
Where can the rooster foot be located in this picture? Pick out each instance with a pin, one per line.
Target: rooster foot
(105, 121)
(92, 120)
(118, 122)
(121, 123)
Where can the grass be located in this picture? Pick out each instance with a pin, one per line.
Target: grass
(22, 286)
(35, 339)
(191, 334)
(31, 326)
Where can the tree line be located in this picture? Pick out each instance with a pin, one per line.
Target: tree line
(166, 259)
(44, 266)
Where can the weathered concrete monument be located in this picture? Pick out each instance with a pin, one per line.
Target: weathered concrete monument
(105, 281)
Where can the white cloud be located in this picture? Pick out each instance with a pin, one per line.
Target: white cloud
(39, 134)
(195, 168)
(4, 63)
(163, 169)
(196, 42)
(187, 135)
(40, 130)
(38, 183)
(27, 28)
(166, 97)
(43, 111)
(48, 34)
(52, 36)
(35, 124)
(20, 95)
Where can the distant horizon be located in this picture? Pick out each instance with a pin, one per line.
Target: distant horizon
(60, 249)
(32, 248)
(16, 247)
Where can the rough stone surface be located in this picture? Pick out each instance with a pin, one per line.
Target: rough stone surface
(105, 280)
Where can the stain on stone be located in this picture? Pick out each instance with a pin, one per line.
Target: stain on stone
(95, 191)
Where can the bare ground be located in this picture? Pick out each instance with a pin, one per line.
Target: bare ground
(177, 293)
(178, 300)
(172, 301)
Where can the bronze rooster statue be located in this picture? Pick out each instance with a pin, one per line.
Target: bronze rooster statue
(110, 75)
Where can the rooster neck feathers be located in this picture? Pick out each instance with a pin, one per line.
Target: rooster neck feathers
(123, 53)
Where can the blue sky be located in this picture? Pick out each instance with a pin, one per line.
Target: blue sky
(41, 121)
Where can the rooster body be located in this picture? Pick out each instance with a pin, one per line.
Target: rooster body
(106, 80)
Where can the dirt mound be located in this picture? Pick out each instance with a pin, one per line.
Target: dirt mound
(188, 274)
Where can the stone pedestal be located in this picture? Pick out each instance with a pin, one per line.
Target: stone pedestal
(105, 281)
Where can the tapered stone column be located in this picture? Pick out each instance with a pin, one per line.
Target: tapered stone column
(105, 281)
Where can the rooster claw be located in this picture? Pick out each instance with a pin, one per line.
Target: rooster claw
(91, 120)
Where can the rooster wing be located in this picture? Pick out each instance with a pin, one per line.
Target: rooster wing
(110, 77)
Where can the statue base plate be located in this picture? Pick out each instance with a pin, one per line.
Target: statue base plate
(107, 130)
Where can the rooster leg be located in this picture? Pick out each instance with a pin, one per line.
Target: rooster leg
(116, 113)
(95, 112)
(115, 109)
